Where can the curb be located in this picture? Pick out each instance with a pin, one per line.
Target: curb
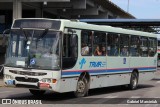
(2, 85)
(157, 79)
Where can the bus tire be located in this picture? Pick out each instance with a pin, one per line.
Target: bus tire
(133, 81)
(82, 88)
(37, 92)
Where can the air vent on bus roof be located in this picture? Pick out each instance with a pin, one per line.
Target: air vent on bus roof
(74, 20)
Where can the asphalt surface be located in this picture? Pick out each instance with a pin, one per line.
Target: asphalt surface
(107, 96)
(110, 96)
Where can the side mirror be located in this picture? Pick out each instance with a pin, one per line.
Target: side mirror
(7, 31)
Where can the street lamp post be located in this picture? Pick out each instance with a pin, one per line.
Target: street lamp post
(128, 6)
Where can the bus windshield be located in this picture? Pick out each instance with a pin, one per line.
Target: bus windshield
(30, 48)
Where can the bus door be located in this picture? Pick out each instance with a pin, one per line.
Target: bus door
(69, 49)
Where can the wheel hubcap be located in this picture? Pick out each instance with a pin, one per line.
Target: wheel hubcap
(134, 81)
(81, 86)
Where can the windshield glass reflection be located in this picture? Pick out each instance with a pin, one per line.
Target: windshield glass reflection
(34, 49)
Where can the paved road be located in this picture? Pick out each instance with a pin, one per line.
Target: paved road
(117, 95)
(150, 89)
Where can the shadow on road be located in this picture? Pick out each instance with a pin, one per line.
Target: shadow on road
(58, 98)
(115, 89)
(1, 77)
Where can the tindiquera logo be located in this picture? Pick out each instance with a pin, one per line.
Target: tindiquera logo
(82, 62)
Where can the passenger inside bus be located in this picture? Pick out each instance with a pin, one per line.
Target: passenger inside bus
(97, 51)
(103, 50)
(124, 51)
(85, 49)
(114, 51)
(151, 52)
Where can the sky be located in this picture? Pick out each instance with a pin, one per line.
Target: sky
(141, 9)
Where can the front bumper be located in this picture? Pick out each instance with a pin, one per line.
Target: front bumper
(27, 80)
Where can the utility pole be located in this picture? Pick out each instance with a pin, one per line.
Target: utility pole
(128, 7)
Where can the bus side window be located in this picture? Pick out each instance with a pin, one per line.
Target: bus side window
(99, 42)
(152, 47)
(86, 43)
(134, 45)
(124, 43)
(112, 44)
(144, 47)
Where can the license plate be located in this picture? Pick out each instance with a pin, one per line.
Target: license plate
(10, 82)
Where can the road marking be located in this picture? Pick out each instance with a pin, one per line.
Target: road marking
(156, 97)
(135, 97)
(111, 97)
(152, 105)
(104, 100)
(5, 92)
(158, 82)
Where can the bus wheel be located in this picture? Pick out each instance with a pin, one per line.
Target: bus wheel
(133, 81)
(82, 88)
(37, 92)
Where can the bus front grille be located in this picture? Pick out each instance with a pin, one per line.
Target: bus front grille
(28, 73)
(23, 79)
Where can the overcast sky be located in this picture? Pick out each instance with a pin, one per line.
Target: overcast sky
(141, 9)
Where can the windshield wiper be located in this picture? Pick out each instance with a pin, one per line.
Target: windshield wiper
(43, 34)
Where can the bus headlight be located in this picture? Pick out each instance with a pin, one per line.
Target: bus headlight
(47, 80)
(8, 77)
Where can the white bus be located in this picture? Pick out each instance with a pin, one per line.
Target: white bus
(71, 56)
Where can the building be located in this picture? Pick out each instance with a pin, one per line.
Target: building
(68, 9)
(59, 9)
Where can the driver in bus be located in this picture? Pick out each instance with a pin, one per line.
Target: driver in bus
(48, 54)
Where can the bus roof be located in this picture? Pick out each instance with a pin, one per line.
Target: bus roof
(105, 28)
(146, 25)
(82, 25)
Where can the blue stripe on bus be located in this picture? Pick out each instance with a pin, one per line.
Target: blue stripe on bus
(106, 71)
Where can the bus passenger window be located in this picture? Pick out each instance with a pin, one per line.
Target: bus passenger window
(134, 45)
(144, 47)
(99, 42)
(112, 45)
(124, 43)
(86, 43)
(152, 47)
